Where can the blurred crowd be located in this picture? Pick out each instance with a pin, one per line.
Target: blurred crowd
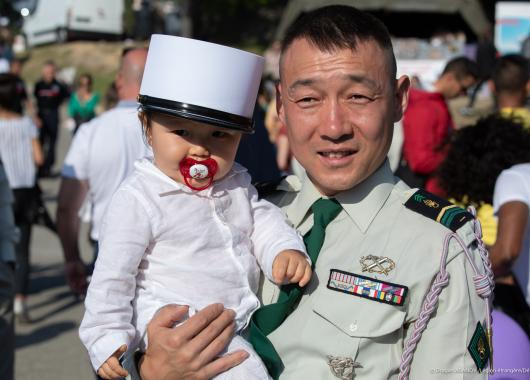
(485, 165)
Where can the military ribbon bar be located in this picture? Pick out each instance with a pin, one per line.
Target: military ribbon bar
(366, 287)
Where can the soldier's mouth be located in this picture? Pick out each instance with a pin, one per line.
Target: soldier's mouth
(336, 153)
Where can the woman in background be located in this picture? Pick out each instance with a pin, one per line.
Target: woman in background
(83, 102)
(476, 157)
(21, 153)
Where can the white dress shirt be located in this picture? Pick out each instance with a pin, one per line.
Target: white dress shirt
(161, 242)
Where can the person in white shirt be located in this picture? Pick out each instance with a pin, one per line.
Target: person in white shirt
(187, 227)
(21, 154)
(511, 204)
(100, 157)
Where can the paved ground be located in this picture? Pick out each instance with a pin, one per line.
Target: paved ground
(49, 348)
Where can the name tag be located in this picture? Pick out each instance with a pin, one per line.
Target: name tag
(366, 287)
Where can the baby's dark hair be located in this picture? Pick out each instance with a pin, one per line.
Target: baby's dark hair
(478, 154)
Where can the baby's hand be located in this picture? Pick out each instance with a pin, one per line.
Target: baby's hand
(112, 369)
(292, 266)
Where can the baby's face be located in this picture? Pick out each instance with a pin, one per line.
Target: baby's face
(174, 139)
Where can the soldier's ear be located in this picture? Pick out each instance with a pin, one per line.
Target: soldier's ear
(279, 105)
(402, 97)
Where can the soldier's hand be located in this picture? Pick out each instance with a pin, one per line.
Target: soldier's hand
(291, 266)
(191, 349)
(112, 368)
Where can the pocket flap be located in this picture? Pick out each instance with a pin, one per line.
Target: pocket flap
(356, 316)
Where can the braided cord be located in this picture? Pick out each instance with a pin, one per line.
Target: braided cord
(484, 284)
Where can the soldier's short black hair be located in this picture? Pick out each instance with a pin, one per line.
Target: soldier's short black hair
(511, 73)
(461, 68)
(339, 27)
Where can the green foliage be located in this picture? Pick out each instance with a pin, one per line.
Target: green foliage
(237, 22)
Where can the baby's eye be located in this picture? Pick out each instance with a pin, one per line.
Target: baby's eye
(181, 132)
(219, 134)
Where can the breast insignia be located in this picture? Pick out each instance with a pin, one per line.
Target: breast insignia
(377, 264)
(342, 367)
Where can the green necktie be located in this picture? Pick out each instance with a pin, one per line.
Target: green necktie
(267, 318)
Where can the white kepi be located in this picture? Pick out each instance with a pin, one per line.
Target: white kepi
(201, 81)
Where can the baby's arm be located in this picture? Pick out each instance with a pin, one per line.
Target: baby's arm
(272, 235)
(124, 237)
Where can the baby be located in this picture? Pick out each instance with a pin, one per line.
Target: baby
(187, 227)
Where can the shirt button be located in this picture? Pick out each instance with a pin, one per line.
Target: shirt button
(353, 327)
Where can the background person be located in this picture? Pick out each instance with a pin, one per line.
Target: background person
(509, 85)
(476, 157)
(21, 154)
(100, 157)
(49, 94)
(511, 251)
(8, 237)
(427, 124)
(83, 102)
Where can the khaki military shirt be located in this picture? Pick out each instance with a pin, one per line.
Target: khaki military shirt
(374, 221)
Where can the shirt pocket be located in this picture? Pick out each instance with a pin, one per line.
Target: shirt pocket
(357, 316)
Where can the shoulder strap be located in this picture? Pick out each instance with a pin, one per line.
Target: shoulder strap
(266, 188)
(438, 209)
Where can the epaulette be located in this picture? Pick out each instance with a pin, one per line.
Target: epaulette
(267, 188)
(438, 209)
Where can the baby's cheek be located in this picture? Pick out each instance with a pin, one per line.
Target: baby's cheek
(223, 168)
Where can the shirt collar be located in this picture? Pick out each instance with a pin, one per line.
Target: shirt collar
(165, 185)
(127, 104)
(362, 203)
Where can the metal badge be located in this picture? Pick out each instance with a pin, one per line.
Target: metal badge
(342, 367)
(377, 264)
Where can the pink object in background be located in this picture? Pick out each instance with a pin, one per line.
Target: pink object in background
(511, 349)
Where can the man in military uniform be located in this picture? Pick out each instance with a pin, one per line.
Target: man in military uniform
(401, 283)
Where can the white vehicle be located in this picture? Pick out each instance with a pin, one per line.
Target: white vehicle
(47, 21)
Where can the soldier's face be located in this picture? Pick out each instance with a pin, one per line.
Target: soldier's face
(339, 108)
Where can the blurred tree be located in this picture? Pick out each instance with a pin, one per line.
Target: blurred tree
(236, 22)
(9, 15)
(128, 19)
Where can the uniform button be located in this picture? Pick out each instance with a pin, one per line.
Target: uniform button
(353, 327)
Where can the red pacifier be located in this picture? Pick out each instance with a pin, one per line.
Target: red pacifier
(193, 169)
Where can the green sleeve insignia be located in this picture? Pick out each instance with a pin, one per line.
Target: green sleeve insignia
(438, 209)
(479, 347)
